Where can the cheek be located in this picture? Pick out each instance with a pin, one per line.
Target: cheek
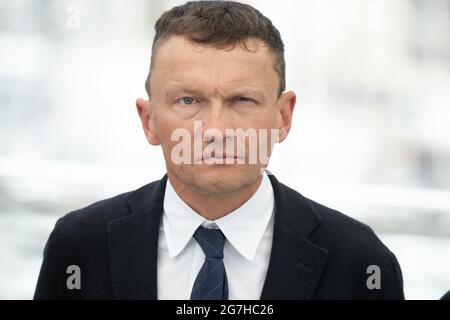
(166, 125)
(264, 120)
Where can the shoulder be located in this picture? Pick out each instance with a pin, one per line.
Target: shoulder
(94, 215)
(342, 226)
(338, 232)
(354, 251)
(93, 219)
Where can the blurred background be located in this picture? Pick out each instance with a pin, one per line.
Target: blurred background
(370, 137)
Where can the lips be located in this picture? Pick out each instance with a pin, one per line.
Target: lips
(220, 156)
(223, 156)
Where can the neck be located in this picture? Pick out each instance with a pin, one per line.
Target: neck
(213, 206)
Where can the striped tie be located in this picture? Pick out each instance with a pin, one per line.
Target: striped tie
(211, 282)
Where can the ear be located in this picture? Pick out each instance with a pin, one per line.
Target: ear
(286, 103)
(143, 108)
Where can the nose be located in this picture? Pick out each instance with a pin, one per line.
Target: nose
(217, 118)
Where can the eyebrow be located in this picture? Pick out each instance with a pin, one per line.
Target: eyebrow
(181, 87)
(234, 93)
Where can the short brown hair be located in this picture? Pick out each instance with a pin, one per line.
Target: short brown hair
(221, 23)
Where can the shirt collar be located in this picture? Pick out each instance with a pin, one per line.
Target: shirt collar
(243, 228)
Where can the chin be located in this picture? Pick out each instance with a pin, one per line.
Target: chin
(220, 178)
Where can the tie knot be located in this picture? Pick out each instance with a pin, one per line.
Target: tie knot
(211, 241)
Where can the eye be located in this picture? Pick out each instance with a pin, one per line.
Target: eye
(244, 100)
(186, 101)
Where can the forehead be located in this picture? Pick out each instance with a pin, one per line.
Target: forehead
(177, 58)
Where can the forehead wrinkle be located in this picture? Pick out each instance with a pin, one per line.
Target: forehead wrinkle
(205, 58)
(184, 69)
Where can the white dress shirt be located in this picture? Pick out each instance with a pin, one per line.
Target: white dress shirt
(248, 231)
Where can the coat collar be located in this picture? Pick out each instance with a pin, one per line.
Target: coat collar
(295, 264)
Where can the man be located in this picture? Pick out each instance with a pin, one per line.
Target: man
(217, 226)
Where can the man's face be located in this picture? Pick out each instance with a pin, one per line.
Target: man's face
(222, 89)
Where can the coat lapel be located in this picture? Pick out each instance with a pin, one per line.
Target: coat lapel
(295, 264)
(133, 244)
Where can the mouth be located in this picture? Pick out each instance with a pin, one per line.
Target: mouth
(220, 157)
